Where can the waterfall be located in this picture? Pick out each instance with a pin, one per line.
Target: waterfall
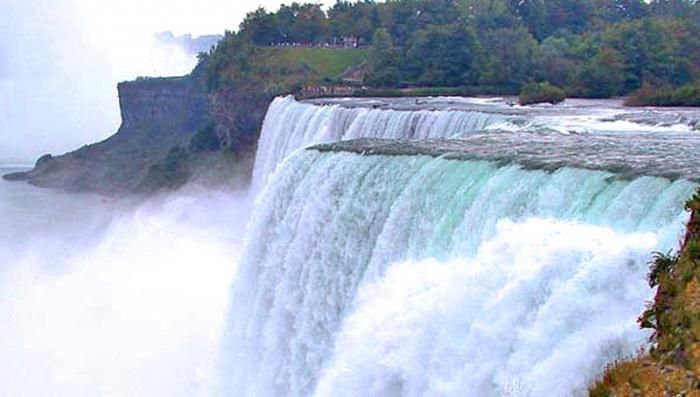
(290, 125)
(414, 275)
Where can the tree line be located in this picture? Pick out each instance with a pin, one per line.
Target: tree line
(592, 48)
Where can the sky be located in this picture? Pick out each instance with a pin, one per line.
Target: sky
(60, 62)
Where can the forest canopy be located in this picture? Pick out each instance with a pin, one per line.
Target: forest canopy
(591, 48)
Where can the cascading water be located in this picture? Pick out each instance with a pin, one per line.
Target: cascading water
(411, 275)
(290, 125)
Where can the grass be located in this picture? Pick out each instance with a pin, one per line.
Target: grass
(324, 63)
(278, 71)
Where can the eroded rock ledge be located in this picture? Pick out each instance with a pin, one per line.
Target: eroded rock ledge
(628, 156)
(157, 115)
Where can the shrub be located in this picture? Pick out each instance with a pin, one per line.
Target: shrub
(541, 93)
(662, 263)
(169, 173)
(205, 140)
(687, 95)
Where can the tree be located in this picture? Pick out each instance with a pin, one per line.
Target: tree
(303, 23)
(672, 8)
(358, 20)
(311, 24)
(513, 57)
(614, 11)
(603, 76)
(261, 27)
(383, 62)
(654, 50)
(487, 14)
(445, 55)
(558, 58)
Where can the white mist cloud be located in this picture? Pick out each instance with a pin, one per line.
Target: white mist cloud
(136, 310)
(60, 61)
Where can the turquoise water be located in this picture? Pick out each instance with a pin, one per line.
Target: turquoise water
(416, 275)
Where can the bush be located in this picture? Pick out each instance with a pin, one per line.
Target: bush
(687, 95)
(205, 140)
(169, 173)
(541, 93)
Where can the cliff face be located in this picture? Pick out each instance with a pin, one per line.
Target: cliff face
(238, 114)
(153, 106)
(157, 115)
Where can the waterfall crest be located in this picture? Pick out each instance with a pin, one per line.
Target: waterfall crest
(290, 125)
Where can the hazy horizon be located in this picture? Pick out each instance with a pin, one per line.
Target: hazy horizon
(60, 62)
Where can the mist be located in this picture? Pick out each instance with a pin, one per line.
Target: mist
(129, 300)
(60, 62)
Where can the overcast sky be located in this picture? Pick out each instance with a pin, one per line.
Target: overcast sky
(60, 61)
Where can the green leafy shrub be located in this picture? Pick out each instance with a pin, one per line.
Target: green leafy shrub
(661, 264)
(541, 93)
(170, 173)
(687, 95)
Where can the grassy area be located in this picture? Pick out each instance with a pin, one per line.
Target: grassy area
(324, 63)
(277, 71)
(672, 367)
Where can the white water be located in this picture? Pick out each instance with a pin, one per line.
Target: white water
(290, 125)
(473, 279)
(361, 275)
(542, 307)
(112, 298)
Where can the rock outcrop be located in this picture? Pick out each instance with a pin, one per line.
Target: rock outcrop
(157, 115)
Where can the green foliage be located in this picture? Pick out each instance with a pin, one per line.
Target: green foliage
(383, 61)
(653, 50)
(603, 76)
(541, 93)
(600, 391)
(261, 27)
(513, 55)
(171, 173)
(693, 250)
(445, 55)
(325, 63)
(688, 95)
(237, 63)
(358, 20)
(662, 263)
(591, 48)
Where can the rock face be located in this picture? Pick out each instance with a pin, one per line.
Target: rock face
(651, 155)
(157, 115)
(238, 114)
(157, 105)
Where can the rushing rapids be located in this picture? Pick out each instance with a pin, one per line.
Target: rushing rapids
(498, 264)
(291, 125)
